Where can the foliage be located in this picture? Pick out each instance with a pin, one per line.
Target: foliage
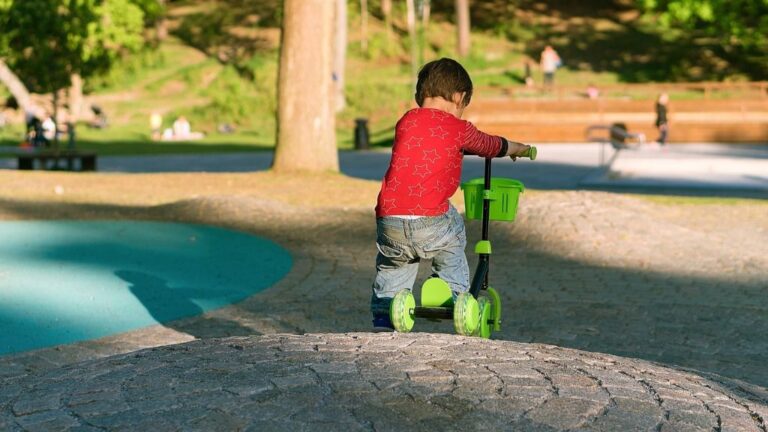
(740, 25)
(153, 10)
(46, 41)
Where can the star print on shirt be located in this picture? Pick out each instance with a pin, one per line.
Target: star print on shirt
(400, 163)
(393, 184)
(413, 142)
(441, 186)
(460, 138)
(408, 124)
(454, 165)
(416, 190)
(388, 204)
(439, 132)
(418, 210)
(431, 155)
(422, 171)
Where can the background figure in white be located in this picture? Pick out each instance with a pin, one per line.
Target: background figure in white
(49, 128)
(550, 61)
(181, 128)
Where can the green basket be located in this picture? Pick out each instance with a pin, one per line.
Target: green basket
(504, 195)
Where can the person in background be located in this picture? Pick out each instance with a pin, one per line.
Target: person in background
(49, 129)
(156, 125)
(661, 118)
(528, 77)
(593, 92)
(181, 128)
(550, 61)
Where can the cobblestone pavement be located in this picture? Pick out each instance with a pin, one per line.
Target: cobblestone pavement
(598, 272)
(373, 382)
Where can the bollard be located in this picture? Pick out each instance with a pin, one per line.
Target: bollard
(361, 134)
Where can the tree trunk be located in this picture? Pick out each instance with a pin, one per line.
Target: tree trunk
(462, 27)
(364, 26)
(75, 95)
(410, 19)
(306, 134)
(340, 53)
(386, 10)
(424, 29)
(18, 90)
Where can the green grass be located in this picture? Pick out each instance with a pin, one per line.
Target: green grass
(177, 79)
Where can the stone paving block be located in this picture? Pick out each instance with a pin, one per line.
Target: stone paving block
(8, 424)
(527, 392)
(673, 426)
(564, 413)
(431, 376)
(732, 420)
(47, 421)
(84, 428)
(616, 419)
(217, 420)
(701, 419)
(100, 407)
(588, 393)
(333, 368)
(513, 370)
(36, 400)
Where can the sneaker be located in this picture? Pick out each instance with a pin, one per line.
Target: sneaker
(382, 323)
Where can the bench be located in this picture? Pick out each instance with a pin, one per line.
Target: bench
(49, 159)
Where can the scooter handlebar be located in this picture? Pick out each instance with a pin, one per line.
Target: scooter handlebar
(530, 153)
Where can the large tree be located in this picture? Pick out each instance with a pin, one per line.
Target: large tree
(340, 54)
(306, 127)
(462, 27)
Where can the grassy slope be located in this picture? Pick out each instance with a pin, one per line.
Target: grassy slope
(180, 80)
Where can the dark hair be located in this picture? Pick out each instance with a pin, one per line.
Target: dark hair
(443, 78)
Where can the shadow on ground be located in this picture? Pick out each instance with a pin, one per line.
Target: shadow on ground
(711, 324)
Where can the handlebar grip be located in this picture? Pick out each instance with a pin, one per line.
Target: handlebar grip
(530, 153)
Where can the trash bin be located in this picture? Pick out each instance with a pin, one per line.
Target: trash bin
(361, 134)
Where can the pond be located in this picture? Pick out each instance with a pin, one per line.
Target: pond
(68, 281)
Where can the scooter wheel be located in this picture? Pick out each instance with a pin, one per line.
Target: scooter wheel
(401, 311)
(466, 314)
(485, 328)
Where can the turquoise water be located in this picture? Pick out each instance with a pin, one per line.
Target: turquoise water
(67, 281)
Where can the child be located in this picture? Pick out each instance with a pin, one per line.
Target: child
(414, 219)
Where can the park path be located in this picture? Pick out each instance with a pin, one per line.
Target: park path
(697, 169)
(381, 382)
(593, 271)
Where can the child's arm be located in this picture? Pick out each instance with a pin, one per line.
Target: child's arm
(485, 145)
(516, 149)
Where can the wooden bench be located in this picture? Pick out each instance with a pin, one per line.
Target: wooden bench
(49, 159)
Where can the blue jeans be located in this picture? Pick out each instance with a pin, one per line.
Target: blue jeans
(402, 243)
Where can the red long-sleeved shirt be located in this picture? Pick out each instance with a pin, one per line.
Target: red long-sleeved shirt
(425, 169)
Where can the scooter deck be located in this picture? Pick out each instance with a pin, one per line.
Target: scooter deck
(433, 312)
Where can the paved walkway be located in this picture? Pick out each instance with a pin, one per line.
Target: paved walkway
(597, 272)
(710, 169)
(586, 270)
(369, 382)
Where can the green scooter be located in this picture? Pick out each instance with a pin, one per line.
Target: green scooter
(477, 312)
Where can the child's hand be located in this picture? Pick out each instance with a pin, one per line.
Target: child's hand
(520, 150)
